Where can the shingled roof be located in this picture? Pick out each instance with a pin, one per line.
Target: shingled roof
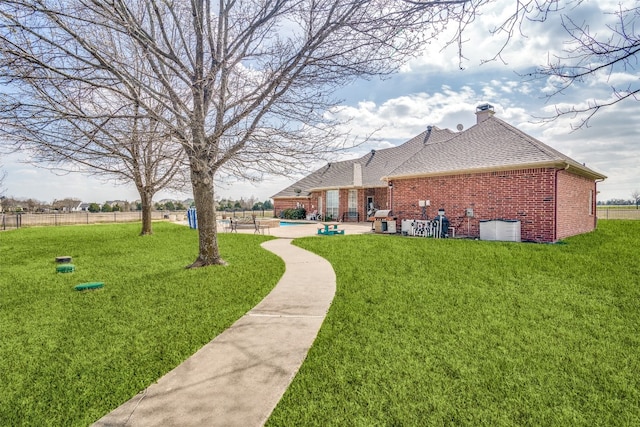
(372, 167)
(490, 145)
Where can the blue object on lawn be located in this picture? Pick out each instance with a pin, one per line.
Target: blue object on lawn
(192, 217)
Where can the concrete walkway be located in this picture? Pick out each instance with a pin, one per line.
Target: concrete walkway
(239, 377)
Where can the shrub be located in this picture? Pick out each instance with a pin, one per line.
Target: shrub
(299, 213)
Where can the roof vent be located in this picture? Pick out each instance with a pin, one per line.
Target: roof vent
(429, 128)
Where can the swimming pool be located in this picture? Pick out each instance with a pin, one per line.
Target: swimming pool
(290, 223)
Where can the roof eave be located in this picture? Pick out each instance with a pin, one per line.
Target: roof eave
(587, 173)
(560, 164)
(345, 187)
(306, 196)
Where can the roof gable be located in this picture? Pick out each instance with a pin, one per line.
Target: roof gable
(490, 145)
(373, 166)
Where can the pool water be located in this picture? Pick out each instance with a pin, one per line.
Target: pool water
(288, 223)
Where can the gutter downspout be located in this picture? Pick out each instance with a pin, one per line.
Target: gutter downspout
(595, 204)
(555, 202)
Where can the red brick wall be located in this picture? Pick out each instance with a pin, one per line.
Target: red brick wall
(343, 203)
(312, 202)
(525, 195)
(380, 200)
(575, 215)
(281, 204)
(380, 197)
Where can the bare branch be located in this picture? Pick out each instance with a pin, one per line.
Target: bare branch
(245, 87)
(588, 55)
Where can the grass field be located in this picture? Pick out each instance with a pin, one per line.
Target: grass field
(421, 331)
(618, 212)
(472, 333)
(69, 357)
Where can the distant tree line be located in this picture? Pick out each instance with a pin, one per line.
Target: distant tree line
(634, 200)
(70, 204)
(250, 204)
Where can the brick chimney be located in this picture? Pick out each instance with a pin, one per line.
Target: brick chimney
(483, 112)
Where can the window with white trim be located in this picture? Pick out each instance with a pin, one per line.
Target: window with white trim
(353, 203)
(333, 200)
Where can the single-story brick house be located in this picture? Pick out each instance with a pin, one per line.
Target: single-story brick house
(490, 171)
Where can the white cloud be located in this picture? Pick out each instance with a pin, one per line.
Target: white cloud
(431, 90)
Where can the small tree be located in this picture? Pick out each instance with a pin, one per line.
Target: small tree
(107, 207)
(93, 207)
(636, 198)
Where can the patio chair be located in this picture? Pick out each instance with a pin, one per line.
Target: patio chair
(258, 228)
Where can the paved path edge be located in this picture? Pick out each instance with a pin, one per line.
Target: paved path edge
(239, 377)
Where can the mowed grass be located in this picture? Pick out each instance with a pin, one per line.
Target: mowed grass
(469, 333)
(67, 357)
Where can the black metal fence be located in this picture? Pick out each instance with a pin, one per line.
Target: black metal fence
(17, 220)
(613, 213)
(243, 213)
(9, 221)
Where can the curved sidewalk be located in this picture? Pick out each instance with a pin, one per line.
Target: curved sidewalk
(239, 377)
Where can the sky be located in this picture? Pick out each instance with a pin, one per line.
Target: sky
(433, 90)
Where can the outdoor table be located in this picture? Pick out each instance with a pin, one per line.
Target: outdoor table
(330, 228)
(328, 225)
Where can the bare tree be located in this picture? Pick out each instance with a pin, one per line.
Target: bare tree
(247, 84)
(74, 126)
(588, 54)
(635, 196)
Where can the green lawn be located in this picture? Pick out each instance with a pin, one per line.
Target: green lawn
(421, 332)
(69, 357)
(459, 332)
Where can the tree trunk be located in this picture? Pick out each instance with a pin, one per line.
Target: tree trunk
(146, 200)
(209, 254)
